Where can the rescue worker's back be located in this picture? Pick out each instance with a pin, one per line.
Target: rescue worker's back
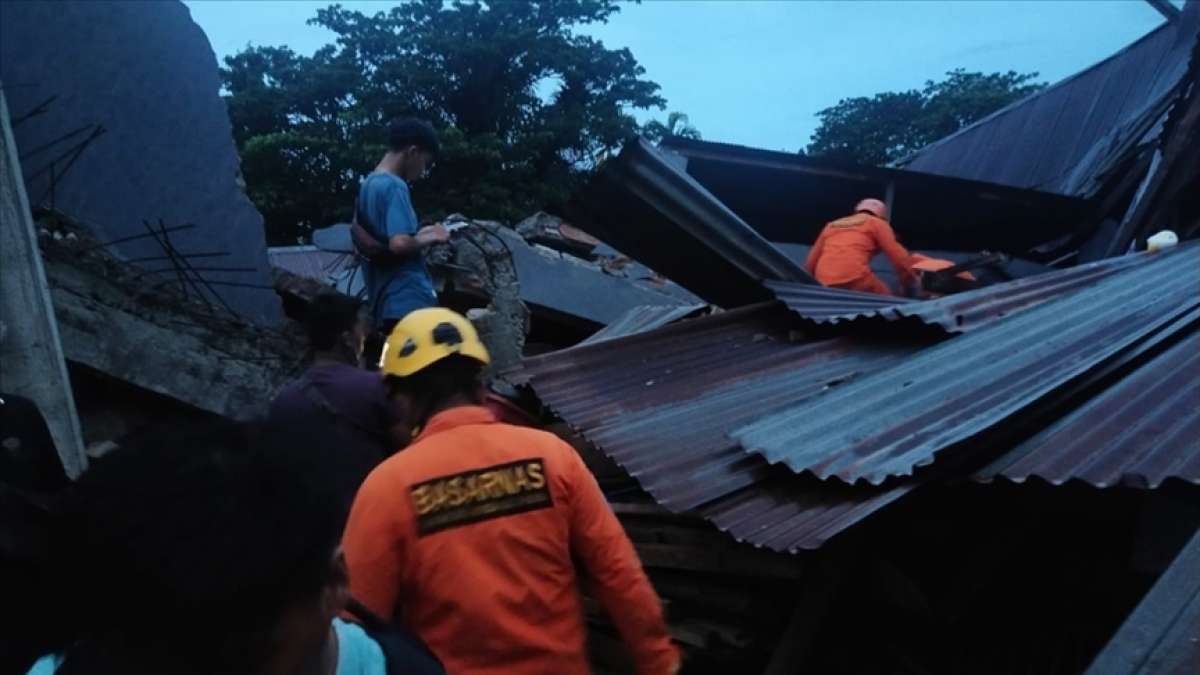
(470, 532)
(841, 256)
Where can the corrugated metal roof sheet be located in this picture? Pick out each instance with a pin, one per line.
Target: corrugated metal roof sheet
(1062, 138)
(995, 273)
(564, 283)
(1162, 635)
(889, 423)
(1139, 432)
(953, 313)
(334, 269)
(645, 205)
(641, 319)
(788, 197)
(662, 403)
(666, 404)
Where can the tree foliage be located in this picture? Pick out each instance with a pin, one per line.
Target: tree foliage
(525, 107)
(887, 126)
(677, 126)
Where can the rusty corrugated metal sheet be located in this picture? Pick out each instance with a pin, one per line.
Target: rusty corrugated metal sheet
(953, 313)
(788, 514)
(662, 403)
(889, 423)
(641, 319)
(1139, 432)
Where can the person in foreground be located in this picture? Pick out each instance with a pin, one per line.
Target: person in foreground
(214, 551)
(467, 537)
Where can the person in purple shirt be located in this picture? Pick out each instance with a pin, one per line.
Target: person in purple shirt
(338, 391)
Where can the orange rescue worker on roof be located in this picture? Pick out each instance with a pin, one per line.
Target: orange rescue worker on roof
(841, 256)
(468, 536)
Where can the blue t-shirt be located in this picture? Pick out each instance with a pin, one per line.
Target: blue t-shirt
(393, 288)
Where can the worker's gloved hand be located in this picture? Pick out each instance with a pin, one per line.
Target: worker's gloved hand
(433, 234)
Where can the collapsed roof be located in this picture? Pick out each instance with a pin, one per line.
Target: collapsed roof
(784, 440)
(1067, 137)
(582, 281)
(788, 197)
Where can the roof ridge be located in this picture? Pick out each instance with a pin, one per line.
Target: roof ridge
(1032, 97)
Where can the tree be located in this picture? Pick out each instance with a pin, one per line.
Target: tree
(886, 127)
(677, 126)
(524, 105)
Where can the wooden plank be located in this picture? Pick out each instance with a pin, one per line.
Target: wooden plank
(751, 563)
(635, 510)
(686, 534)
(31, 356)
(811, 608)
(1160, 634)
(703, 592)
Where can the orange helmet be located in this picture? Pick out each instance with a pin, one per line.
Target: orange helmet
(874, 207)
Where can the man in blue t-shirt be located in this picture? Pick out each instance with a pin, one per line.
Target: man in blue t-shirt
(386, 230)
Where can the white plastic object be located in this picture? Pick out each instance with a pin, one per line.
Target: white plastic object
(1164, 239)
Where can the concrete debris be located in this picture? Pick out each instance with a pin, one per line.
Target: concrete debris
(30, 351)
(547, 230)
(504, 323)
(123, 124)
(157, 333)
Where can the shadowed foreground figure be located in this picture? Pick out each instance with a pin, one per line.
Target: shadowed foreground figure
(338, 393)
(214, 551)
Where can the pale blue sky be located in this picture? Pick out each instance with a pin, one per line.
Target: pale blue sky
(755, 73)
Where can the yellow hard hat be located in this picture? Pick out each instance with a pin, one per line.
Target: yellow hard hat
(427, 336)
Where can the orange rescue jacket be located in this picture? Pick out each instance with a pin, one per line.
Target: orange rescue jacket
(467, 537)
(843, 252)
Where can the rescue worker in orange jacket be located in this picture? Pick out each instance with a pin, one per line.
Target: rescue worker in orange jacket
(841, 256)
(467, 536)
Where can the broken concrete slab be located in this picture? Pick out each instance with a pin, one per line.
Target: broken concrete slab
(31, 356)
(596, 289)
(119, 121)
(116, 320)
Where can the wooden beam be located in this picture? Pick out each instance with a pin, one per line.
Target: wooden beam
(748, 563)
(1170, 12)
(812, 605)
(31, 356)
(1127, 230)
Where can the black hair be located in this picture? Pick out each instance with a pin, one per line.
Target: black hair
(406, 132)
(328, 316)
(188, 549)
(430, 388)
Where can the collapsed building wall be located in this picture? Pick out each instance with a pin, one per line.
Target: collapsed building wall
(119, 122)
